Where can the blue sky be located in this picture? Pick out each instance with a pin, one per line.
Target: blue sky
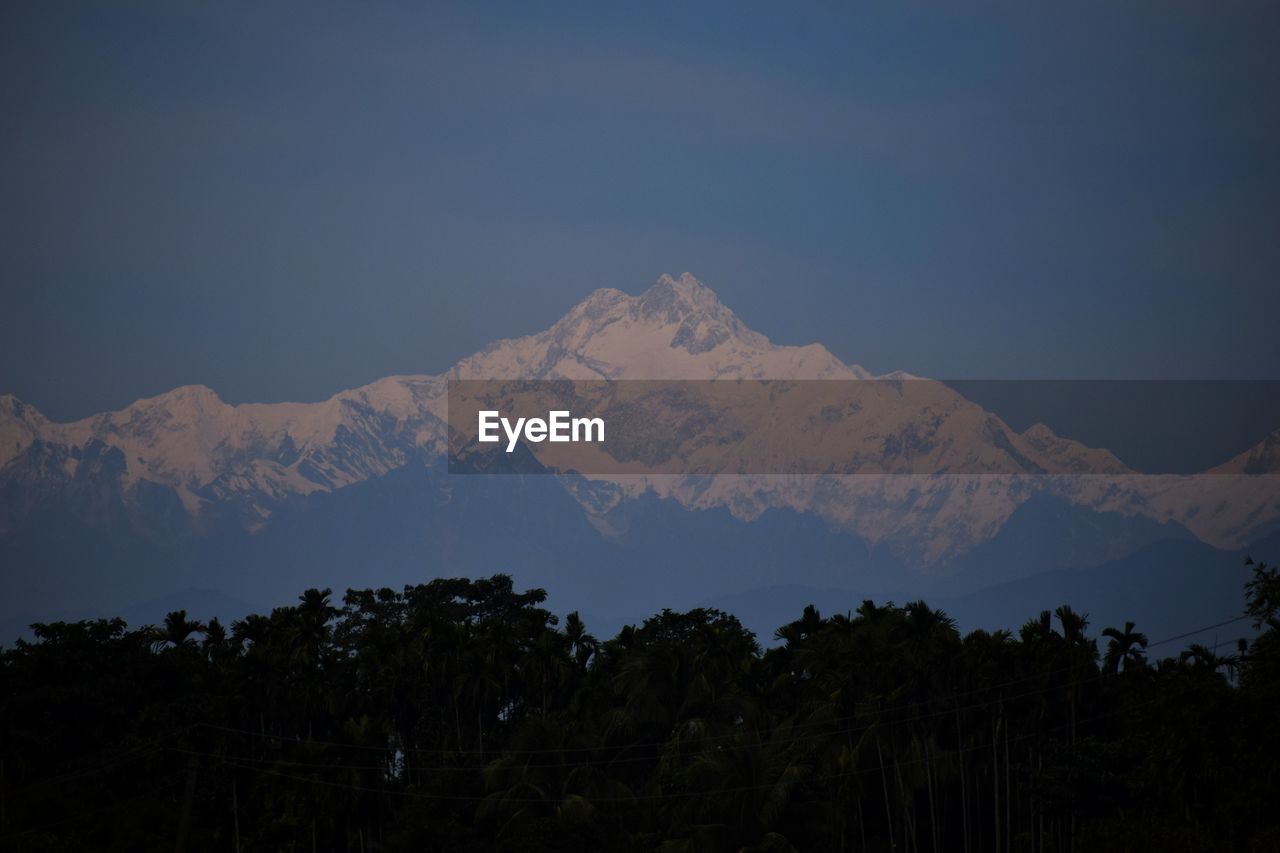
(281, 202)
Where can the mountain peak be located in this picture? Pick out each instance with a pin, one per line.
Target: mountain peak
(196, 390)
(193, 399)
(1262, 458)
(1040, 432)
(599, 303)
(13, 408)
(676, 298)
(686, 285)
(20, 424)
(676, 329)
(9, 404)
(1066, 455)
(668, 297)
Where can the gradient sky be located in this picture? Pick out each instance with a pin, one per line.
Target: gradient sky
(280, 203)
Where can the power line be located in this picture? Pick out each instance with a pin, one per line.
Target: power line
(172, 780)
(146, 748)
(866, 708)
(983, 747)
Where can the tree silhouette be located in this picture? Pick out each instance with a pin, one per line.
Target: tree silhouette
(1125, 648)
(459, 715)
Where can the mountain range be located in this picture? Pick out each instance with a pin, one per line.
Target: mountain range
(255, 501)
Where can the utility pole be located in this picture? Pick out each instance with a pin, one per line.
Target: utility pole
(188, 799)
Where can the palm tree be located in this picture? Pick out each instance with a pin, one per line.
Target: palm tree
(1203, 658)
(744, 791)
(214, 634)
(1126, 647)
(1262, 595)
(581, 644)
(1073, 624)
(176, 631)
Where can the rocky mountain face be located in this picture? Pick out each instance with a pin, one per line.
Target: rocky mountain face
(185, 463)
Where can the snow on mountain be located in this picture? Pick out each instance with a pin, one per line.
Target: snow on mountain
(254, 456)
(1262, 458)
(1222, 509)
(207, 450)
(1072, 457)
(20, 425)
(677, 329)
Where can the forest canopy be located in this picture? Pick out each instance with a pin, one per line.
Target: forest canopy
(463, 715)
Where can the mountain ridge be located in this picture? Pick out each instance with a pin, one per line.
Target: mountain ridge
(247, 459)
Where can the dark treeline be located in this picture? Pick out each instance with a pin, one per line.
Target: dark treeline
(462, 715)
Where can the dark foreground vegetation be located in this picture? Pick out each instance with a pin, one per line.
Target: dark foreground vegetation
(461, 715)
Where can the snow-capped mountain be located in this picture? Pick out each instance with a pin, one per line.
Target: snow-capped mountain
(1262, 458)
(677, 329)
(244, 462)
(208, 452)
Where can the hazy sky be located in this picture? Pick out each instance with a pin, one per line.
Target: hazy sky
(280, 203)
